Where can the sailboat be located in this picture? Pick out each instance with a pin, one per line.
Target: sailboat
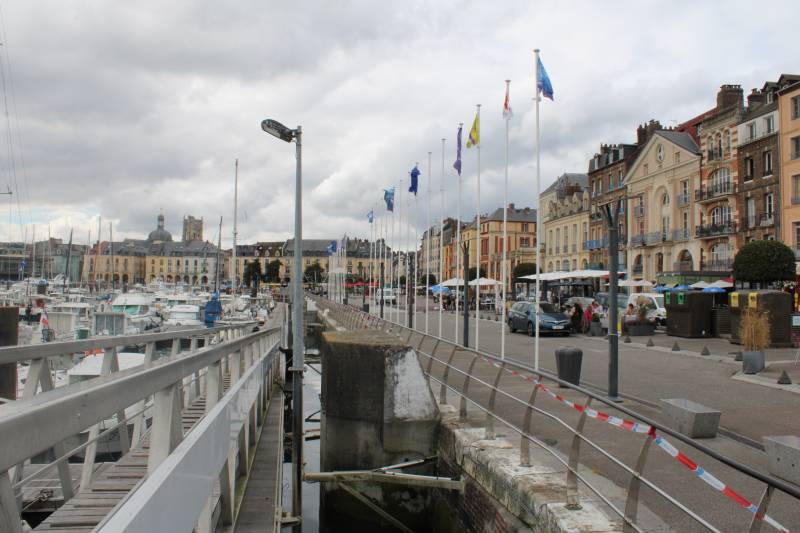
(237, 310)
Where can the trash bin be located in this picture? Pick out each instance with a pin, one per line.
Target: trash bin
(365, 307)
(777, 303)
(568, 364)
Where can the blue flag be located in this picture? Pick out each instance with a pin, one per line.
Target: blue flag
(457, 164)
(414, 180)
(543, 84)
(331, 249)
(370, 216)
(388, 197)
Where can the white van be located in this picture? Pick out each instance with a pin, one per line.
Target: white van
(388, 294)
(654, 301)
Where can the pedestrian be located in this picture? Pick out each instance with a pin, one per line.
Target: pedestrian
(577, 317)
(28, 313)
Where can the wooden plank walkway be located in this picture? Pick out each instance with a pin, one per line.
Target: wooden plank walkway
(259, 509)
(89, 506)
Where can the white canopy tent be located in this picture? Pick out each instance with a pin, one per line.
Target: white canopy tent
(722, 284)
(635, 283)
(575, 274)
(452, 282)
(700, 285)
(484, 282)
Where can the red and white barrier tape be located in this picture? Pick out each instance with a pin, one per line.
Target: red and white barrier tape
(661, 442)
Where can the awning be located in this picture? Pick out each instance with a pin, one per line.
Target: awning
(700, 285)
(635, 283)
(452, 282)
(722, 284)
(484, 282)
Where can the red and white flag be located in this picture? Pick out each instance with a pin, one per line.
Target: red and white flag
(507, 112)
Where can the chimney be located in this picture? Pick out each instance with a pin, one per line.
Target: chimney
(511, 207)
(729, 95)
(755, 99)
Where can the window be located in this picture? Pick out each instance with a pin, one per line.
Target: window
(796, 189)
(677, 157)
(749, 168)
(610, 182)
(796, 107)
(619, 179)
(525, 227)
(769, 204)
(751, 131)
(721, 215)
(685, 223)
(524, 242)
(585, 232)
(750, 212)
(665, 199)
(767, 163)
(727, 141)
(795, 147)
(769, 124)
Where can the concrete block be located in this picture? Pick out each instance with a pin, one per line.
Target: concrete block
(783, 455)
(690, 418)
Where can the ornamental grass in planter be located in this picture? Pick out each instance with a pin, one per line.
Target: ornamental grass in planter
(754, 333)
(643, 325)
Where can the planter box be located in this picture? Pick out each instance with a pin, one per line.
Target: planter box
(595, 329)
(690, 418)
(752, 362)
(641, 330)
(783, 455)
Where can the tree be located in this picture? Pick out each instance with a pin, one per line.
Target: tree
(313, 273)
(471, 273)
(252, 275)
(764, 262)
(273, 271)
(524, 269)
(431, 280)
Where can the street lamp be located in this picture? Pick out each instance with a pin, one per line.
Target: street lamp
(611, 215)
(276, 129)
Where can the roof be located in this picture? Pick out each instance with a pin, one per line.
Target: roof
(526, 214)
(680, 138)
(568, 178)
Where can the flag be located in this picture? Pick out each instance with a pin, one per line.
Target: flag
(457, 164)
(370, 216)
(475, 133)
(507, 112)
(331, 249)
(44, 322)
(543, 84)
(388, 197)
(414, 180)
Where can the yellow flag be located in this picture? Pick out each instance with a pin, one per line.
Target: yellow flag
(475, 133)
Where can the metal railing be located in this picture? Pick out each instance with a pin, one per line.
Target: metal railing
(680, 234)
(709, 192)
(41, 422)
(638, 424)
(727, 227)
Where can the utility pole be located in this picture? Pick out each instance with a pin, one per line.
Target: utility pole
(612, 220)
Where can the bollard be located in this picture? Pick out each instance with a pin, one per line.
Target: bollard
(675, 347)
(568, 364)
(705, 351)
(784, 379)
(627, 339)
(737, 356)
(9, 324)
(650, 342)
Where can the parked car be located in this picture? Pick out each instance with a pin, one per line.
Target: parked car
(389, 295)
(522, 317)
(655, 303)
(585, 301)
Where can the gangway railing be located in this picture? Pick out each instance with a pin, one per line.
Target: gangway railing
(45, 415)
(459, 382)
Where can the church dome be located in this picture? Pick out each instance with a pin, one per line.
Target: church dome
(160, 234)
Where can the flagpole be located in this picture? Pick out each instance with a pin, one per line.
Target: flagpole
(505, 237)
(399, 206)
(478, 240)
(428, 244)
(371, 259)
(441, 240)
(407, 262)
(457, 247)
(538, 210)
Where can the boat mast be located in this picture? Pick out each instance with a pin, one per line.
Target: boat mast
(69, 257)
(235, 207)
(97, 250)
(219, 247)
(111, 246)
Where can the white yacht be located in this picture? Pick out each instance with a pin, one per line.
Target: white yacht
(139, 309)
(183, 316)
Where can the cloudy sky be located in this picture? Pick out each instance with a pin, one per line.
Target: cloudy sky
(126, 109)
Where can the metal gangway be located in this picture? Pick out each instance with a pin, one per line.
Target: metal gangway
(603, 436)
(188, 424)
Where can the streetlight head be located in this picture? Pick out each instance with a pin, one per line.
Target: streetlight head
(275, 128)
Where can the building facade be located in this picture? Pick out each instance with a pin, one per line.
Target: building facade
(717, 195)
(789, 148)
(567, 230)
(192, 228)
(521, 245)
(661, 211)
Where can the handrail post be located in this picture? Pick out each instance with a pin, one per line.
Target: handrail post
(462, 406)
(443, 387)
(632, 501)
(166, 428)
(525, 445)
(138, 421)
(10, 519)
(490, 412)
(758, 517)
(573, 499)
(430, 362)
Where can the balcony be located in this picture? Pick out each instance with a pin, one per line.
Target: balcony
(638, 211)
(586, 245)
(683, 266)
(596, 216)
(717, 265)
(767, 220)
(638, 240)
(683, 199)
(715, 155)
(599, 266)
(680, 234)
(715, 230)
(704, 194)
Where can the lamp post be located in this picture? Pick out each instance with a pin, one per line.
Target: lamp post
(283, 133)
